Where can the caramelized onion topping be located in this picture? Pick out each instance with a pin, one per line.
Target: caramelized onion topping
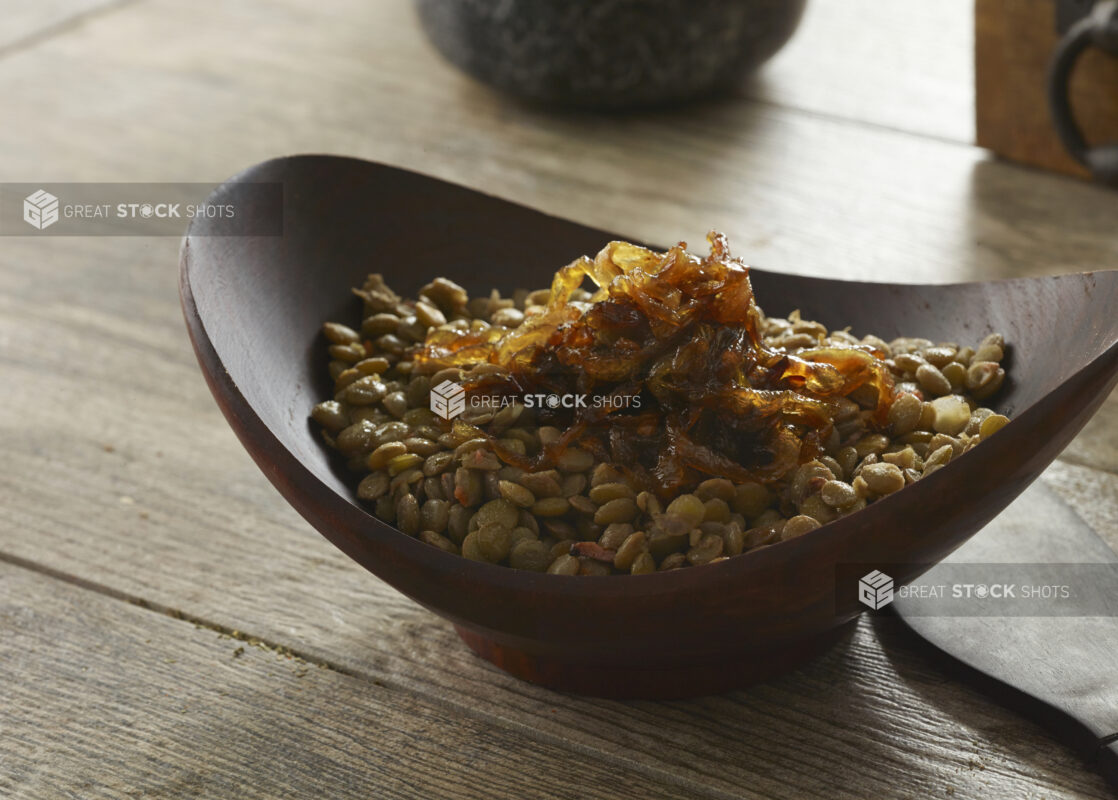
(682, 334)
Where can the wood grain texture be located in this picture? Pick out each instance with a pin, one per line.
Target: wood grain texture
(26, 23)
(105, 700)
(187, 523)
(1097, 444)
(1092, 493)
(1014, 41)
(905, 65)
(796, 192)
(139, 487)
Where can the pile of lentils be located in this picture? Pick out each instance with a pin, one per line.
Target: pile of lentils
(447, 487)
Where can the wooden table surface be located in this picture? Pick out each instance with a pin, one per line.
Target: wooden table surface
(169, 627)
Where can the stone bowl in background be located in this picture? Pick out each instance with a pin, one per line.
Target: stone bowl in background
(609, 54)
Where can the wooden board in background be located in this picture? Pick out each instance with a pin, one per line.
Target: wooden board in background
(1014, 40)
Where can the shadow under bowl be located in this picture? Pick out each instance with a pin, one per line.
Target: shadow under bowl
(254, 307)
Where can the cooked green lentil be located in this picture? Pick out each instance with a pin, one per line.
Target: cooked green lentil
(452, 486)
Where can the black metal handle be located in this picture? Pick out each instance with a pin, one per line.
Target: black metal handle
(1098, 29)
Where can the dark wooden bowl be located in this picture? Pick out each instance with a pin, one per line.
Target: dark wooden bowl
(254, 307)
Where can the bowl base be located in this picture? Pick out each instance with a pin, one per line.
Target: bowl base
(620, 680)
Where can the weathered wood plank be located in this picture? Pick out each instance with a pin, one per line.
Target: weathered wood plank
(177, 515)
(103, 699)
(911, 69)
(28, 22)
(905, 65)
(1097, 444)
(1092, 493)
(795, 191)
